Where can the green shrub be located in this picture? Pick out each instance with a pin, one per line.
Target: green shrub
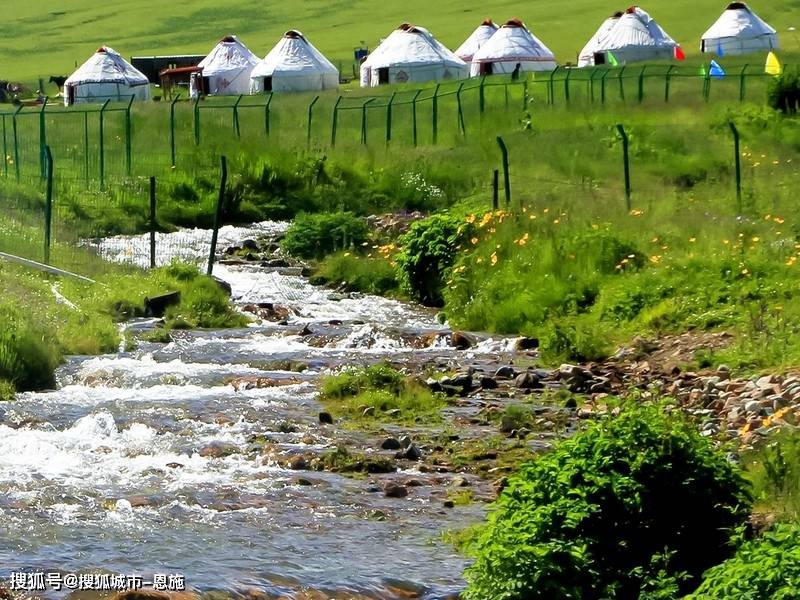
(576, 340)
(593, 518)
(316, 235)
(768, 567)
(353, 381)
(783, 92)
(429, 249)
(358, 274)
(774, 471)
(28, 356)
(7, 390)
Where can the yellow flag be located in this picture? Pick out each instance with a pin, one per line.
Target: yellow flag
(773, 66)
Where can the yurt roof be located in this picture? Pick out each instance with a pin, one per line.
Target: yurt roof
(410, 45)
(229, 54)
(636, 28)
(513, 41)
(477, 38)
(740, 22)
(295, 54)
(107, 66)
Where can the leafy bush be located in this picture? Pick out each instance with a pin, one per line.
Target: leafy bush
(634, 499)
(580, 340)
(387, 393)
(28, 358)
(784, 91)
(768, 567)
(316, 235)
(358, 274)
(429, 250)
(774, 471)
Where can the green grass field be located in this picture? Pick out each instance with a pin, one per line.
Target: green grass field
(40, 38)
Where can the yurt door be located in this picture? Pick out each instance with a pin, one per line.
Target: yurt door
(486, 68)
(383, 75)
(70, 95)
(268, 84)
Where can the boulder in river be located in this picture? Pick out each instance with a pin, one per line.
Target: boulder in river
(394, 490)
(326, 418)
(158, 305)
(527, 381)
(505, 372)
(462, 341)
(391, 444)
(527, 343)
(218, 450)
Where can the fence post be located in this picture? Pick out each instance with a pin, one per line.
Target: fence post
(506, 176)
(505, 90)
(641, 84)
(128, 140)
(223, 180)
(622, 84)
(461, 125)
(742, 83)
(267, 114)
(5, 149)
(482, 95)
(626, 164)
(236, 129)
(172, 128)
(551, 88)
(102, 145)
(310, 114)
(42, 140)
(603, 86)
(667, 79)
(152, 222)
(566, 85)
(86, 146)
(591, 84)
(364, 121)
(197, 120)
(525, 94)
(389, 118)
(435, 123)
(16, 141)
(335, 120)
(414, 117)
(48, 207)
(496, 190)
(738, 165)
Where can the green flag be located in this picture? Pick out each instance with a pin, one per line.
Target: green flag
(703, 71)
(612, 60)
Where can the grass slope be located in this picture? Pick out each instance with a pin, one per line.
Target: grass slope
(38, 38)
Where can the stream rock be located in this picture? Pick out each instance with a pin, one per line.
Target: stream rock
(218, 450)
(394, 490)
(462, 341)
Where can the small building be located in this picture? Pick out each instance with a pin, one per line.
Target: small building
(478, 38)
(105, 76)
(634, 37)
(411, 54)
(739, 31)
(293, 65)
(177, 77)
(595, 45)
(225, 71)
(152, 66)
(513, 48)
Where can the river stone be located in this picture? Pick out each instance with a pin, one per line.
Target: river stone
(462, 341)
(391, 444)
(298, 463)
(405, 441)
(175, 465)
(412, 453)
(369, 411)
(505, 372)
(395, 490)
(527, 343)
(326, 418)
(527, 381)
(488, 383)
(459, 482)
(218, 450)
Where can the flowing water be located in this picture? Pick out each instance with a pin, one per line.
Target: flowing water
(105, 473)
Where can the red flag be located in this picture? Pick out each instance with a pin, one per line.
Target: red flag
(679, 55)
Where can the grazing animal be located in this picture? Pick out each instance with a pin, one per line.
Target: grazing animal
(58, 80)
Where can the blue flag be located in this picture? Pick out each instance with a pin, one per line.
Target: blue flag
(715, 70)
(720, 51)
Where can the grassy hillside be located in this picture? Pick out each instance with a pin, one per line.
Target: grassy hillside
(40, 38)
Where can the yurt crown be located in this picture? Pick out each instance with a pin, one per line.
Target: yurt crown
(228, 39)
(293, 34)
(737, 6)
(617, 14)
(488, 23)
(514, 23)
(631, 10)
(101, 50)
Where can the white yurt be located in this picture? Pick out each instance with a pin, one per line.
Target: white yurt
(105, 76)
(293, 65)
(739, 31)
(635, 37)
(510, 46)
(411, 54)
(478, 38)
(594, 45)
(226, 70)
